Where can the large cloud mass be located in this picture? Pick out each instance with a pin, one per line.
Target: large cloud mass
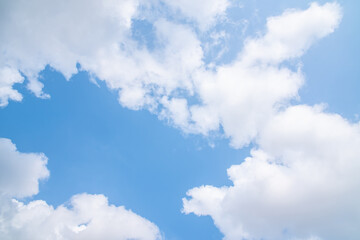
(162, 78)
(301, 181)
(85, 217)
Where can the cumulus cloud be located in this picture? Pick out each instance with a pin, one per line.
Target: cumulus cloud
(300, 182)
(84, 217)
(8, 77)
(98, 36)
(290, 34)
(59, 33)
(241, 96)
(20, 172)
(142, 77)
(100, 39)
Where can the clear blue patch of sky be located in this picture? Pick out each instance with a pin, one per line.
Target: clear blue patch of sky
(144, 33)
(332, 67)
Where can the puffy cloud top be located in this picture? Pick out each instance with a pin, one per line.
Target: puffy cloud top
(85, 217)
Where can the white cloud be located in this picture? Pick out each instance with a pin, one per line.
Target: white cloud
(301, 182)
(238, 96)
(59, 33)
(98, 36)
(292, 33)
(143, 77)
(244, 94)
(176, 109)
(8, 77)
(84, 217)
(242, 98)
(20, 172)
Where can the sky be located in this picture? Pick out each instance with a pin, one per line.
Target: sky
(161, 119)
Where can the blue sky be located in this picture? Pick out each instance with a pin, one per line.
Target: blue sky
(99, 138)
(93, 146)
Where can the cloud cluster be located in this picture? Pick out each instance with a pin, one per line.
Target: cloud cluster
(163, 78)
(84, 217)
(98, 35)
(244, 94)
(39, 32)
(301, 181)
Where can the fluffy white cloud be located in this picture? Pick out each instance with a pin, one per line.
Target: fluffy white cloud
(59, 33)
(241, 96)
(292, 33)
(8, 77)
(238, 96)
(20, 172)
(302, 181)
(98, 36)
(84, 217)
(142, 77)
